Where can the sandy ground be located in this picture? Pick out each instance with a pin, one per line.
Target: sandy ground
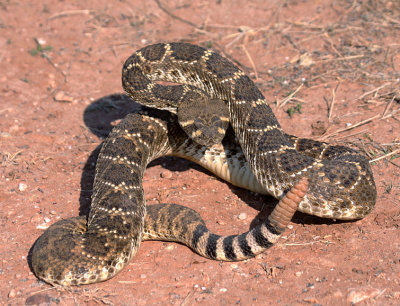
(331, 72)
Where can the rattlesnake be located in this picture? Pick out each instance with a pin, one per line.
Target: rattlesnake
(339, 179)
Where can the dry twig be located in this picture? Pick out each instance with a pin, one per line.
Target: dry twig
(349, 128)
(70, 13)
(251, 60)
(174, 16)
(375, 90)
(333, 101)
(385, 156)
(282, 102)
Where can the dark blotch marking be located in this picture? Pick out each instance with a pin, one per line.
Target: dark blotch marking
(211, 248)
(197, 234)
(246, 90)
(221, 67)
(228, 248)
(153, 52)
(186, 52)
(292, 161)
(118, 173)
(121, 200)
(310, 147)
(260, 239)
(260, 117)
(334, 152)
(136, 80)
(273, 140)
(169, 93)
(244, 246)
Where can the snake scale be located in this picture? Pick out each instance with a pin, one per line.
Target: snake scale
(310, 176)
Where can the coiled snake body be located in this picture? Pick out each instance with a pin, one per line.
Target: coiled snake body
(317, 178)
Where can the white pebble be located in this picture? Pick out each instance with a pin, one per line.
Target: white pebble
(12, 293)
(43, 226)
(22, 186)
(223, 290)
(242, 216)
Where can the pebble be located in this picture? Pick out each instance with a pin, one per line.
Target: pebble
(61, 96)
(39, 299)
(12, 293)
(170, 247)
(362, 294)
(234, 266)
(166, 174)
(298, 273)
(36, 218)
(43, 226)
(5, 134)
(46, 219)
(143, 276)
(242, 216)
(22, 186)
(223, 290)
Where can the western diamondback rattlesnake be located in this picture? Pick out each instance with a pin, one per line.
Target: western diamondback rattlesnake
(339, 179)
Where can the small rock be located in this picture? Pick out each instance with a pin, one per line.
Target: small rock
(234, 266)
(41, 41)
(12, 293)
(22, 186)
(223, 290)
(36, 218)
(46, 219)
(43, 226)
(357, 296)
(306, 60)
(143, 276)
(311, 300)
(166, 174)
(298, 273)
(61, 96)
(242, 216)
(38, 299)
(169, 247)
(5, 135)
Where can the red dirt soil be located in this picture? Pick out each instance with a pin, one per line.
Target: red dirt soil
(331, 72)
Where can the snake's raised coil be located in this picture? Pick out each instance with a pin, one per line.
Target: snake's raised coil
(317, 178)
